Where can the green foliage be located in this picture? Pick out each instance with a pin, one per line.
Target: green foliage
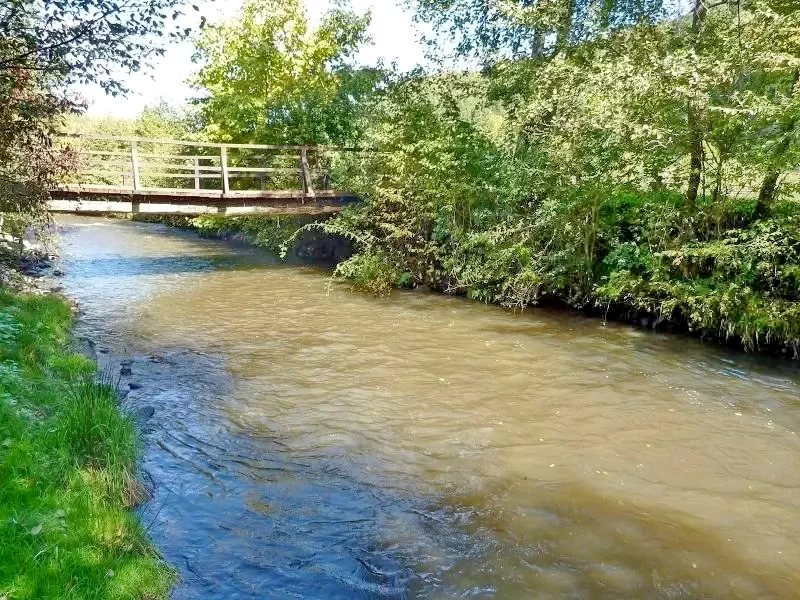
(66, 458)
(268, 77)
(160, 120)
(92, 427)
(742, 285)
(519, 29)
(372, 272)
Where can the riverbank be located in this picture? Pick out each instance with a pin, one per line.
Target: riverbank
(67, 468)
(727, 276)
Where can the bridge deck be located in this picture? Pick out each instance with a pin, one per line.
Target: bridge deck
(149, 173)
(98, 199)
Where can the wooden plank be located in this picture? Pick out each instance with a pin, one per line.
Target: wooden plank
(145, 173)
(263, 170)
(192, 156)
(168, 208)
(143, 166)
(272, 156)
(95, 190)
(103, 153)
(190, 167)
(147, 155)
(112, 163)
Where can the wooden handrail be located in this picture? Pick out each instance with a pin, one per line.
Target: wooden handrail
(149, 155)
(141, 140)
(225, 165)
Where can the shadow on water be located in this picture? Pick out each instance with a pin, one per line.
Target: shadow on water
(245, 517)
(136, 266)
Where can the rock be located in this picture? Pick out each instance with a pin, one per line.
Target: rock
(141, 415)
(58, 273)
(125, 371)
(134, 386)
(85, 346)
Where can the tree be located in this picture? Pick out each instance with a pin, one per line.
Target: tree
(269, 78)
(490, 30)
(81, 41)
(778, 25)
(45, 46)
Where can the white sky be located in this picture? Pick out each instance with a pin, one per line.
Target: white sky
(393, 34)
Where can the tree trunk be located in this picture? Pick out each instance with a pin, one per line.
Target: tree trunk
(717, 193)
(605, 14)
(696, 156)
(770, 184)
(695, 120)
(537, 42)
(767, 192)
(565, 26)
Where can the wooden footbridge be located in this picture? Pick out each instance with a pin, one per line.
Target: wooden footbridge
(176, 177)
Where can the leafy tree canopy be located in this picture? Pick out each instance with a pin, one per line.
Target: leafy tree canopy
(493, 29)
(47, 45)
(82, 41)
(269, 77)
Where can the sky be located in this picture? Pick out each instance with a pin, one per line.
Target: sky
(393, 34)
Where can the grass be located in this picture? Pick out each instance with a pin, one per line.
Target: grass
(67, 457)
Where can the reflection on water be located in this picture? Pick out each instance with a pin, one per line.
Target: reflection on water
(313, 443)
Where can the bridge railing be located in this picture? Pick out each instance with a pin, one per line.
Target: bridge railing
(131, 164)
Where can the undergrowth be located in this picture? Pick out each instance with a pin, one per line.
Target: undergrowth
(722, 272)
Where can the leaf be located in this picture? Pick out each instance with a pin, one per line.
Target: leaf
(36, 530)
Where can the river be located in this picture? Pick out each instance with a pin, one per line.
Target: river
(310, 442)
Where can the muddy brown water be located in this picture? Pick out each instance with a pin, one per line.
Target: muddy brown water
(309, 442)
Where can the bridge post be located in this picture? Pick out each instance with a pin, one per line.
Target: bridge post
(308, 187)
(196, 173)
(223, 161)
(135, 164)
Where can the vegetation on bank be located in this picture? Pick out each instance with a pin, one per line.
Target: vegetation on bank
(460, 208)
(67, 460)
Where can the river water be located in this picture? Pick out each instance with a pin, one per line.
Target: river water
(308, 442)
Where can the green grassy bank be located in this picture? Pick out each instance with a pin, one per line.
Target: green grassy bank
(67, 454)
